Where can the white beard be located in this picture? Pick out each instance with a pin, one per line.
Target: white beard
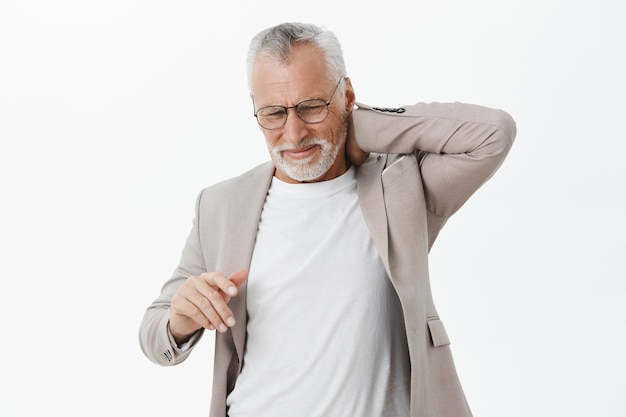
(303, 169)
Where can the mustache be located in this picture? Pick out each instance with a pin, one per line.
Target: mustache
(301, 145)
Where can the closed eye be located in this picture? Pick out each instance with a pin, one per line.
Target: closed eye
(272, 112)
(311, 107)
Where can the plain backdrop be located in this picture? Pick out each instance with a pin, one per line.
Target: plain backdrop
(113, 116)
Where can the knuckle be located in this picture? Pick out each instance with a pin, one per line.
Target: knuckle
(214, 296)
(192, 279)
(205, 304)
(209, 276)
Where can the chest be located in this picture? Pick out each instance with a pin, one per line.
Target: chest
(312, 245)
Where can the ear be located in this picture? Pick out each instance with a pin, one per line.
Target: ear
(350, 96)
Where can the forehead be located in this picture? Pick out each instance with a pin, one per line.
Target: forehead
(303, 77)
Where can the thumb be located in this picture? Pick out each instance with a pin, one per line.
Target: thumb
(239, 277)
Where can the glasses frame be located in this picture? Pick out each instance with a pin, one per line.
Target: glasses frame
(286, 108)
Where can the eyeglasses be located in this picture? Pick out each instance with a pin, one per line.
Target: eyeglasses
(310, 111)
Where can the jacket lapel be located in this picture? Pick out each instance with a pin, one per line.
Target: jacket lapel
(245, 209)
(371, 200)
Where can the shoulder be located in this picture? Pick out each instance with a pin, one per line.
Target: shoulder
(225, 190)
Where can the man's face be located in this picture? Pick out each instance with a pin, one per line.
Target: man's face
(303, 152)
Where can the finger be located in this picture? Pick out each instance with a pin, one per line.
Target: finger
(213, 305)
(217, 279)
(185, 318)
(187, 304)
(203, 304)
(238, 278)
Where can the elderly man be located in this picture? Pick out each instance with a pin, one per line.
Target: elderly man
(313, 268)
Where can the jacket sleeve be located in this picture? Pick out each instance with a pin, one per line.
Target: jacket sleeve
(154, 335)
(459, 146)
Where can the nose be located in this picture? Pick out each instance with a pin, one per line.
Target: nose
(295, 129)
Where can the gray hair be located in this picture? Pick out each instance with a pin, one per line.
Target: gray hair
(277, 42)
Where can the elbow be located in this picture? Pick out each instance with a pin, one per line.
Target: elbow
(502, 136)
(506, 124)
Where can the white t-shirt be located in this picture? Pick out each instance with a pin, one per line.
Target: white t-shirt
(325, 333)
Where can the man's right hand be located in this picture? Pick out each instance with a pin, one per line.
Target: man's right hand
(202, 302)
(354, 153)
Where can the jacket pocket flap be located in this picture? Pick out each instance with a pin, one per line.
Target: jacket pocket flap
(438, 333)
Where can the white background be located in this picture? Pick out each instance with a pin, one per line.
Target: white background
(113, 115)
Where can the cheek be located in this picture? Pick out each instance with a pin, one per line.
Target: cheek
(338, 130)
(271, 137)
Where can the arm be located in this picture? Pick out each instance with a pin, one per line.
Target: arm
(459, 146)
(192, 299)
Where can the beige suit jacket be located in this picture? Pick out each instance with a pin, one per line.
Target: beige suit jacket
(426, 161)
